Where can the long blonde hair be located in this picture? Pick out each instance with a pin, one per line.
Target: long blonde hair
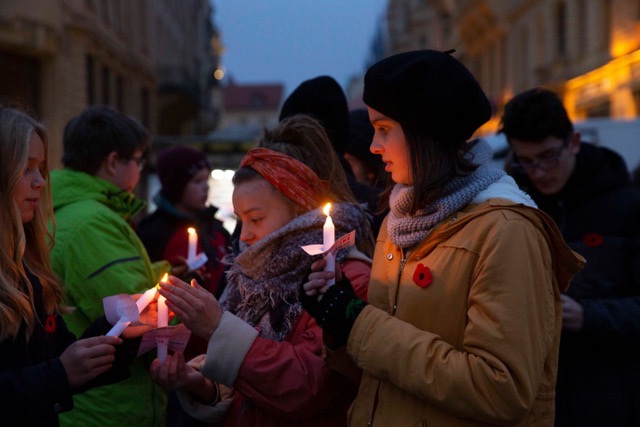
(303, 138)
(24, 246)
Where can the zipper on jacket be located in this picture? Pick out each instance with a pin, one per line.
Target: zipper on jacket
(403, 261)
(375, 406)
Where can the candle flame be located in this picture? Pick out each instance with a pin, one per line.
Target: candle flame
(191, 230)
(164, 279)
(326, 209)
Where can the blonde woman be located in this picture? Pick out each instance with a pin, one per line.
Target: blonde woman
(41, 363)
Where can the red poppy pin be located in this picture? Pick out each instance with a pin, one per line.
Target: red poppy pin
(50, 324)
(422, 276)
(592, 240)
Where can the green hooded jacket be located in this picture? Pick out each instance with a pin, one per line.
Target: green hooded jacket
(98, 254)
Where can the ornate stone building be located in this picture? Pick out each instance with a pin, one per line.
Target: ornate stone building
(153, 60)
(586, 50)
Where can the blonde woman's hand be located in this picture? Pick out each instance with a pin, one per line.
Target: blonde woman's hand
(196, 307)
(87, 358)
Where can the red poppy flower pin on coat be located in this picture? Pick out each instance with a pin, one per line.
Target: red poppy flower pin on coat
(422, 276)
(592, 240)
(50, 324)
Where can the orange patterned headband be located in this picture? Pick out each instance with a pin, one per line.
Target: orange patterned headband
(291, 177)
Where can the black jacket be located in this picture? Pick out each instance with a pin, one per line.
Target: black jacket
(598, 213)
(33, 382)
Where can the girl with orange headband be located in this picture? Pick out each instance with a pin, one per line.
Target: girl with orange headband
(261, 342)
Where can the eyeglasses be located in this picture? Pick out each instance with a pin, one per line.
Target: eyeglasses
(548, 161)
(141, 161)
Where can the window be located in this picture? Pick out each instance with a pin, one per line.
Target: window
(600, 110)
(583, 40)
(606, 24)
(146, 114)
(120, 93)
(561, 29)
(90, 80)
(20, 82)
(106, 85)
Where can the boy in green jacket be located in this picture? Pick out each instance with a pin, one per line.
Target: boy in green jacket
(97, 253)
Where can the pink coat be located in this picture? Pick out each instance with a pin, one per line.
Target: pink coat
(289, 383)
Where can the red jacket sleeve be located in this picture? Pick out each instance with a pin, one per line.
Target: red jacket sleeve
(358, 272)
(290, 379)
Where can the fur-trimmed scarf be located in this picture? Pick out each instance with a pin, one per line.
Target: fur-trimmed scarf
(407, 231)
(264, 279)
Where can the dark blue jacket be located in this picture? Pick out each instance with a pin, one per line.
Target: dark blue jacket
(598, 213)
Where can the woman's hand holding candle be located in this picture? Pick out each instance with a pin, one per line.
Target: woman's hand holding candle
(196, 307)
(148, 318)
(175, 374)
(319, 280)
(87, 358)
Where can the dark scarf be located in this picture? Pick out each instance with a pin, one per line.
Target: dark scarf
(407, 231)
(264, 279)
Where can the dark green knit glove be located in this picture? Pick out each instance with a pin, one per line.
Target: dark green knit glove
(337, 311)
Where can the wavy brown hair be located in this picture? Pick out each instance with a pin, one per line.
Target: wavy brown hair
(24, 246)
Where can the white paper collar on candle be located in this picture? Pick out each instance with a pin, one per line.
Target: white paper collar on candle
(200, 260)
(345, 241)
(121, 311)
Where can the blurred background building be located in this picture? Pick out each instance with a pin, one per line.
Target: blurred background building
(161, 62)
(154, 60)
(588, 51)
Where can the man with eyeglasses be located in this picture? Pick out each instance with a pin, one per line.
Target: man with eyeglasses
(98, 254)
(586, 189)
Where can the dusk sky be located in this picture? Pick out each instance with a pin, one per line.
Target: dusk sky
(290, 41)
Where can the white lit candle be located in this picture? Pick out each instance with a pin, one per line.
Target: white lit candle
(193, 244)
(163, 322)
(146, 298)
(118, 328)
(328, 239)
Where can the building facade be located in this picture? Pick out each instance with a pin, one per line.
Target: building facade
(588, 51)
(142, 57)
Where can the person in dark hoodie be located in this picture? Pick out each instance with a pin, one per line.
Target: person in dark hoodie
(323, 99)
(181, 204)
(586, 189)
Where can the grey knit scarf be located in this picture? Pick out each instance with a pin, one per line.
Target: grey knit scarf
(406, 231)
(264, 279)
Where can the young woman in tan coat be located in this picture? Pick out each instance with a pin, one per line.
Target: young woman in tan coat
(463, 318)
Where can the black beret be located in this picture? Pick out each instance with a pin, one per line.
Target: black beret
(323, 99)
(430, 92)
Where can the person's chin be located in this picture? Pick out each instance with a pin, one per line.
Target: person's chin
(549, 189)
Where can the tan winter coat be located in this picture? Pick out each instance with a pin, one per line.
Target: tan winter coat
(477, 345)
